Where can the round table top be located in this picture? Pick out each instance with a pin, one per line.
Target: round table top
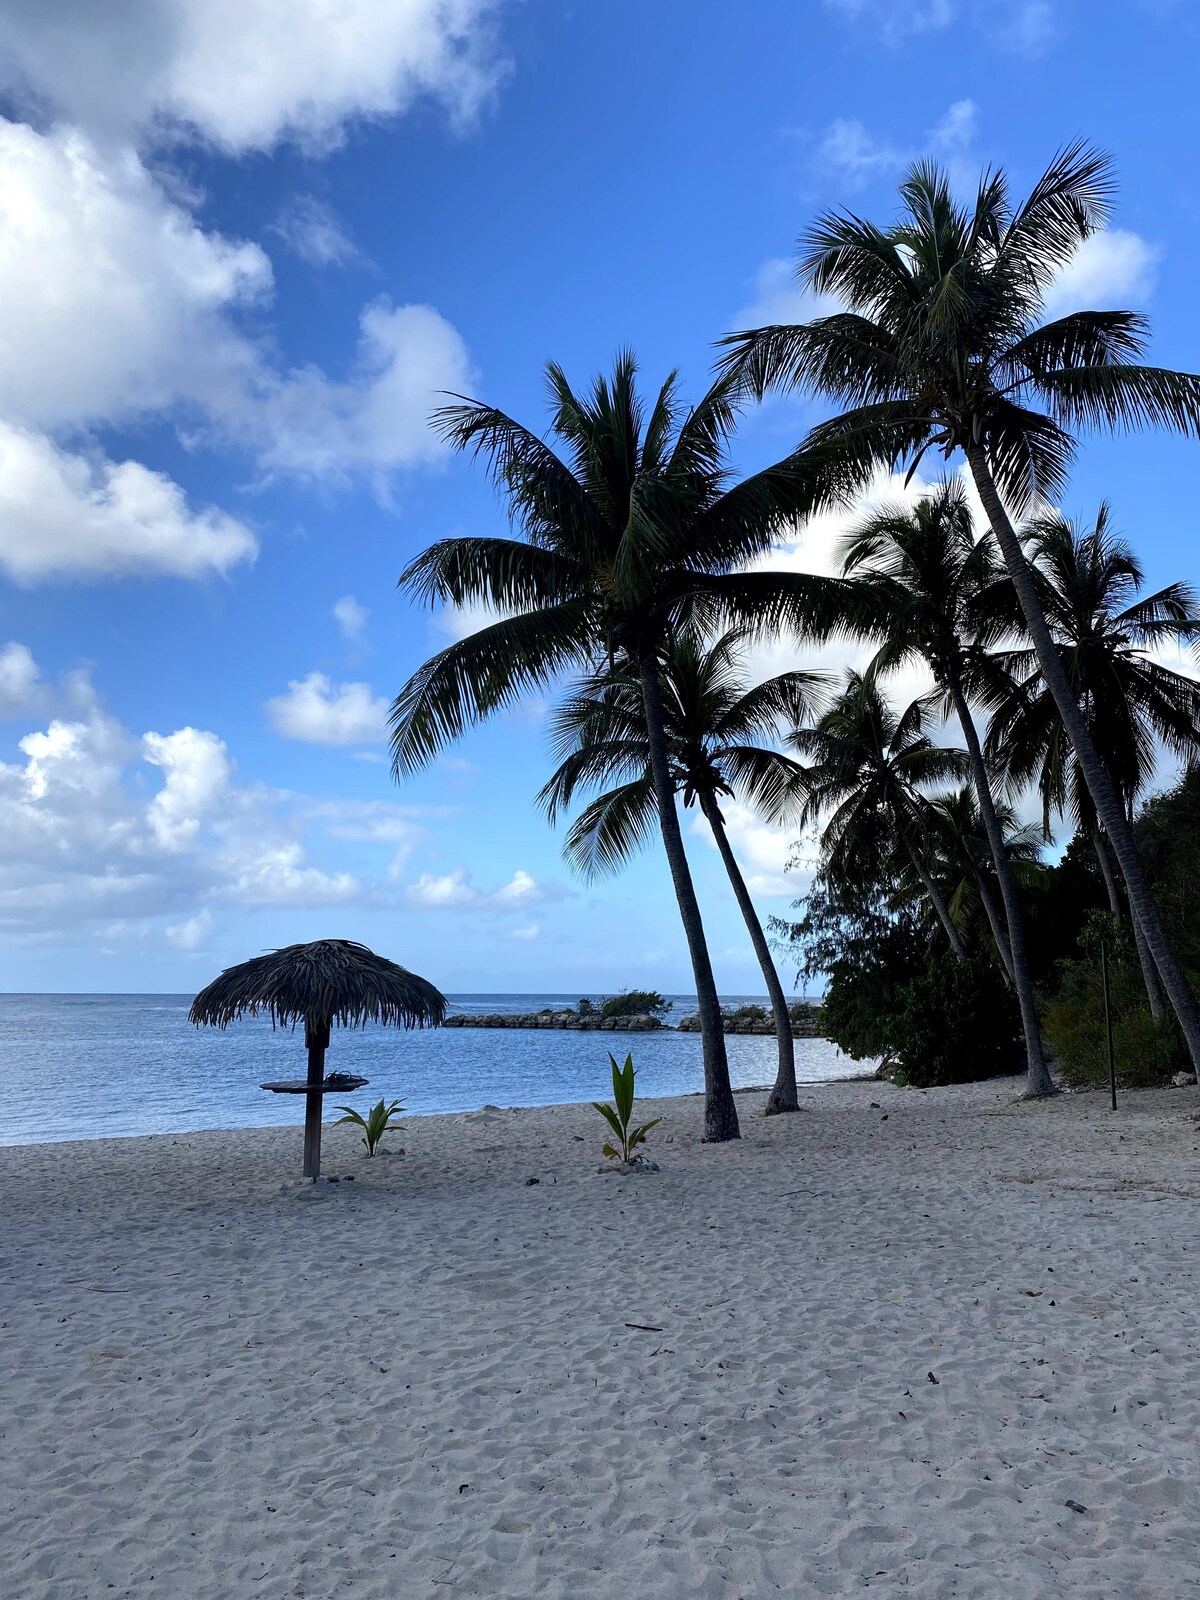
(345, 1085)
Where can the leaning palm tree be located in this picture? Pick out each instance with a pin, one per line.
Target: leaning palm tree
(633, 530)
(1089, 584)
(934, 594)
(863, 775)
(941, 345)
(719, 736)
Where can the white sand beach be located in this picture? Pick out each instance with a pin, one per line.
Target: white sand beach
(716, 1380)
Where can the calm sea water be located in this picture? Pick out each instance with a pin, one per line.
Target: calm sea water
(100, 1066)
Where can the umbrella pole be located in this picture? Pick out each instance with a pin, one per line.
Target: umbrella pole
(316, 1037)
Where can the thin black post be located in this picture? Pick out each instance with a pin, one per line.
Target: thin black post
(1112, 1071)
(316, 1037)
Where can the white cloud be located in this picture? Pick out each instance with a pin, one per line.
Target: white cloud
(851, 155)
(116, 302)
(64, 515)
(454, 890)
(277, 876)
(775, 297)
(368, 821)
(196, 773)
(816, 547)
(762, 849)
(460, 622)
(310, 426)
(192, 933)
(351, 618)
(243, 74)
(1025, 27)
(525, 933)
(318, 713)
(310, 230)
(96, 824)
(19, 679)
(1114, 268)
(119, 307)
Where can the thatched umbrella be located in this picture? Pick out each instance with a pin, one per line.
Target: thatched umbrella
(328, 981)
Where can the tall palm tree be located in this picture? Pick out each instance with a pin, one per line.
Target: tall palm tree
(942, 346)
(631, 531)
(1089, 584)
(719, 730)
(934, 594)
(863, 774)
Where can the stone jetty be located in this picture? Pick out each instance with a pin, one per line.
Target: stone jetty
(570, 1020)
(806, 1021)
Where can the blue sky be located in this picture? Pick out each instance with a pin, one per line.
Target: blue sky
(242, 245)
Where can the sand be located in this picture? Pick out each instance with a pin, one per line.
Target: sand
(218, 1383)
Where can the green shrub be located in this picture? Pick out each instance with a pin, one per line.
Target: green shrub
(635, 1003)
(1145, 1052)
(744, 1015)
(956, 1022)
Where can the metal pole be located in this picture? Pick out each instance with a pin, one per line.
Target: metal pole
(1112, 1071)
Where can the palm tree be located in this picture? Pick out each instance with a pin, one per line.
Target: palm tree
(716, 725)
(935, 595)
(637, 530)
(864, 773)
(1089, 584)
(962, 859)
(941, 346)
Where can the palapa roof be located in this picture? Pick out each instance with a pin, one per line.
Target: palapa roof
(331, 980)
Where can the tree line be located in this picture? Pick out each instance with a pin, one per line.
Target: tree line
(630, 582)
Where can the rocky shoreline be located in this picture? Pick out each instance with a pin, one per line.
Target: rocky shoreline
(749, 1019)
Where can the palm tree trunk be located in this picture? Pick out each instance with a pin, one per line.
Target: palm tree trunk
(938, 901)
(783, 1096)
(1108, 805)
(1037, 1075)
(999, 937)
(1149, 975)
(720, 1113)
(1109, 876)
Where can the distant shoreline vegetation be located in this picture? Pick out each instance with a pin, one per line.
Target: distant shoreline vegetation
(642, 1011)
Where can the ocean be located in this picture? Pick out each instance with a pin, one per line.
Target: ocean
(101, 1066)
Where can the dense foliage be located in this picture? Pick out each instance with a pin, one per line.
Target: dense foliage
(956, 1023)
(635, 1003)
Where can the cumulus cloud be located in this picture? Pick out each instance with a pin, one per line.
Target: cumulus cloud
(243, 74)
(309, 426)
(455, 890)
(96, 824)
(196, 773)
(120, 307)
(64, 515)
(117, 303)
(1114, 268)
(316, 712)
